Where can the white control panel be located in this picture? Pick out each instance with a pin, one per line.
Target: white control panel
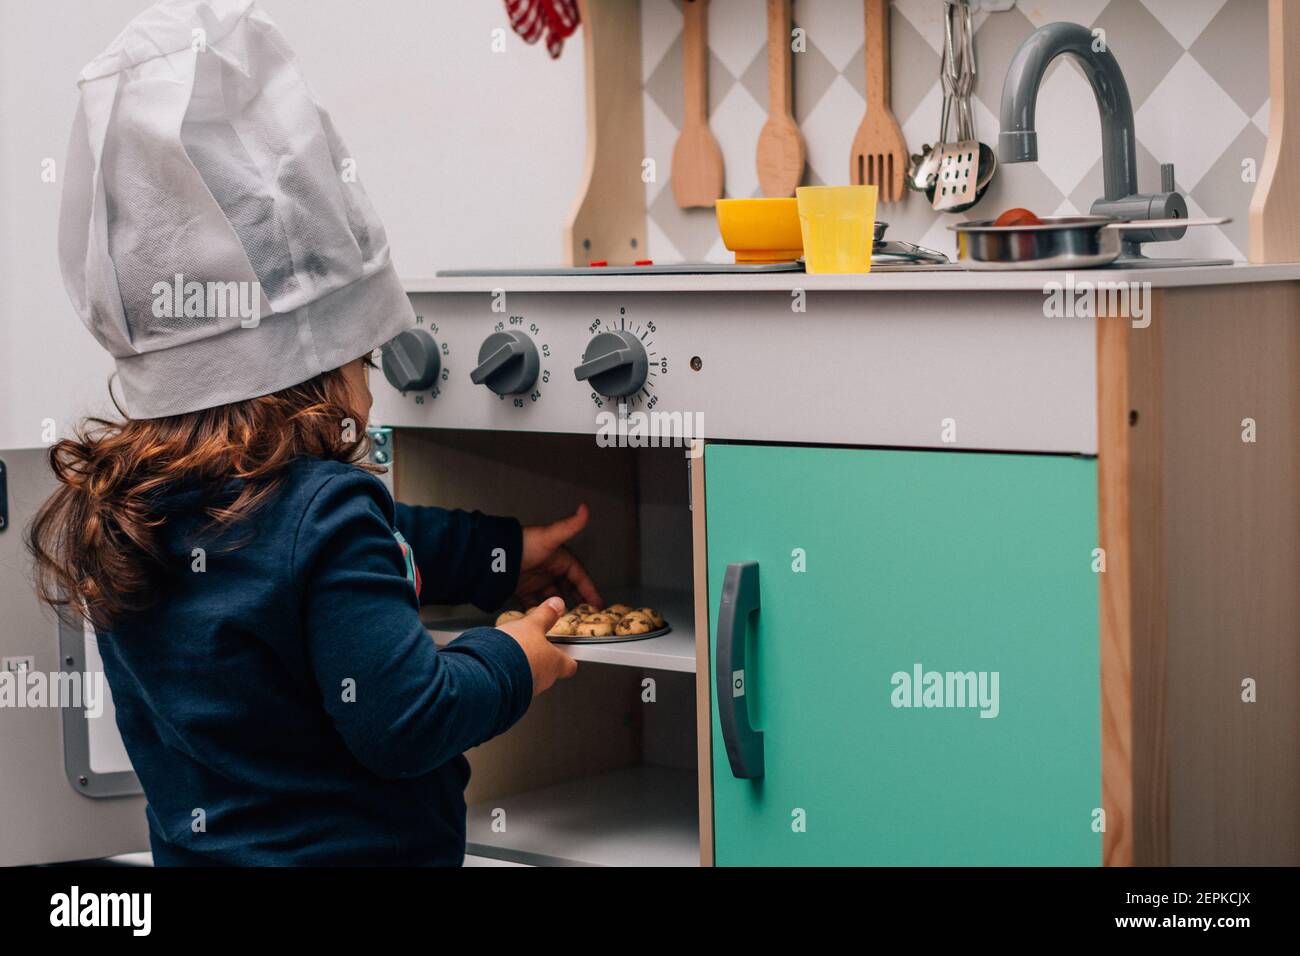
(941, 370)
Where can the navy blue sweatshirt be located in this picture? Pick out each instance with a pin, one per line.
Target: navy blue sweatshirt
(285, 705)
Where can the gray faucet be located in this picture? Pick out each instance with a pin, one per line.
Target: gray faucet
(1018, 141)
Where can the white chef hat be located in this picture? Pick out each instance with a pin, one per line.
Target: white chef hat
(212, 236)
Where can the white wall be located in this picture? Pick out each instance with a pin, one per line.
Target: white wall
(471, 157)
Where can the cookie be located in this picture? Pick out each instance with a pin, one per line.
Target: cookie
(600, 617)
(619, 609)
(507, 616)
(639, 616)
(633, 624)
(565, 627)
(588, 629)
(584, 609)
(655, 616)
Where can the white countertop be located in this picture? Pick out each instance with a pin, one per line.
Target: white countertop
(949, 280)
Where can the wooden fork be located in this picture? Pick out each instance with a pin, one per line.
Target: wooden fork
(879, 153)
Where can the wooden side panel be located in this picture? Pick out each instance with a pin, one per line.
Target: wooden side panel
(1233, 544)
(1116, 597)
(1147, 519)
(1202, 538)
(703, 674)
(1131, 517)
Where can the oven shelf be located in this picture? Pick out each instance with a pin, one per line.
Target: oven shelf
(675, 651)
(637, 816)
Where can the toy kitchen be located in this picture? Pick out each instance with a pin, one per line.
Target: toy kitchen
(964, 469)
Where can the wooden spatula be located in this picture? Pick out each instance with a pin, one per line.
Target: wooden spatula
(1275, 206)
(697, 160)
(879, 155)
(781, 150)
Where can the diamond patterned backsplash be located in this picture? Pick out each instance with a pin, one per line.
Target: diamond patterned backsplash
(1197, 71)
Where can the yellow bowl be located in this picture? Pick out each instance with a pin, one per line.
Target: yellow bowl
(839, 226)
(761, 230)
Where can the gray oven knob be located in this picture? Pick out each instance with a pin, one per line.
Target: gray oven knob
(507, 363)
(411, 361)
(615, 364)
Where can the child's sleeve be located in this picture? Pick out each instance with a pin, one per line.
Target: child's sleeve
(465, 557)
(402, 706)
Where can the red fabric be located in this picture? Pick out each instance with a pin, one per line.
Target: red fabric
(556, 19)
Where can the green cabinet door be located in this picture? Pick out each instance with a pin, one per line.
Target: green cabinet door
(973, 573)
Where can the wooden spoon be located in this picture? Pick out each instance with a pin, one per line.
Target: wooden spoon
(697, 160)
(781, 150)
(879, 154)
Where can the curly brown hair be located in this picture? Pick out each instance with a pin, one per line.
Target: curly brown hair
(95, 542)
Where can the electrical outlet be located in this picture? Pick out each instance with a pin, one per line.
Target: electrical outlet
(15, 664)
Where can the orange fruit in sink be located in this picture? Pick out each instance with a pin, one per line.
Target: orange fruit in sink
(1017, 217)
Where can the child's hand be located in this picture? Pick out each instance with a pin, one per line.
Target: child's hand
(549, 568)
(548, 662)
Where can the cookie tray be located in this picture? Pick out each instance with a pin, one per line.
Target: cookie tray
(674, 650)
(612, 639)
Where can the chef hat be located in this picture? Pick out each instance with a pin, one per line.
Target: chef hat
(213, 235)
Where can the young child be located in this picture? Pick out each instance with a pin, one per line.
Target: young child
(256, 591)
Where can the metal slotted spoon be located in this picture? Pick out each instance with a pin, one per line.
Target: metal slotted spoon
(965, 168)
(923, 167)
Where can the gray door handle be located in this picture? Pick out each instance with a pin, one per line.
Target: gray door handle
(740, 598)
